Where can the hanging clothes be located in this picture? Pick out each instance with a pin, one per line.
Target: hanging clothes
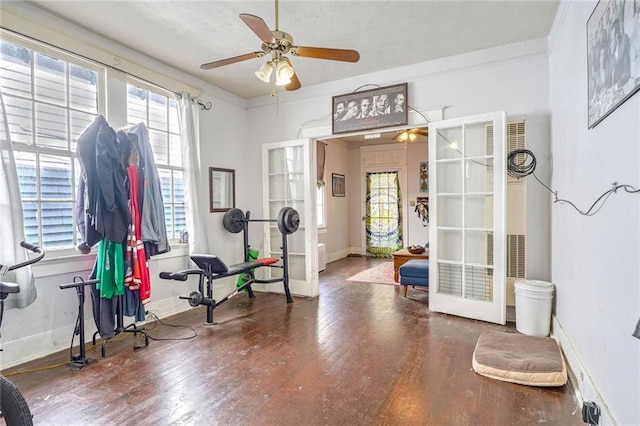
(154, 228)
(137, 267)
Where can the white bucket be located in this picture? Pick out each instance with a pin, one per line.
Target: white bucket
(533, 307)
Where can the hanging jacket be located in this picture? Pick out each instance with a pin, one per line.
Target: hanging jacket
(101, 210)
(88, 190)
(112, 215)
(153, 226)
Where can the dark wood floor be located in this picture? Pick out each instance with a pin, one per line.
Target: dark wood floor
(359, 354)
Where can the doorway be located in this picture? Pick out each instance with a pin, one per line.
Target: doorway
(383, 213)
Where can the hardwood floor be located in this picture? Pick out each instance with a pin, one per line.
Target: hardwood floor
(359, 354)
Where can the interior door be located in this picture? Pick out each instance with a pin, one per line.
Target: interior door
(287, 182)
(467, 233)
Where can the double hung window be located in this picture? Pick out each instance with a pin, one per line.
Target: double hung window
(50, 98)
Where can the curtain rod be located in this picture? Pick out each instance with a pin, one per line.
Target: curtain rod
(203, 106)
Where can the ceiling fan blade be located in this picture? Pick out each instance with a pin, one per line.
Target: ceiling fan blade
(216, 64)
(259, 27)
(295, 83)
(345, 55)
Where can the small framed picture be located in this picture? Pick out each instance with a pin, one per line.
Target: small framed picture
(337, 185)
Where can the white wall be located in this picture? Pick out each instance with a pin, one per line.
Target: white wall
(417, 232)
(595, 259)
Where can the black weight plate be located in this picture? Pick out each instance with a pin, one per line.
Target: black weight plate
(195, 298)
(288, 220)
(233, 221)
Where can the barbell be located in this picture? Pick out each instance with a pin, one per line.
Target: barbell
(288, 220)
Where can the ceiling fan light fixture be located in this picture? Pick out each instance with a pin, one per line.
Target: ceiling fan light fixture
(403, 137)
(412, 137)
(282, 81)
(284, 72)
(264, 72)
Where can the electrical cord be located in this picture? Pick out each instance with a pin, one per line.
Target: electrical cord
(157, 320)
(52, 366)
(522, 163)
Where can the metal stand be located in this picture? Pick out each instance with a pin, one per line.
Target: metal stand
(120, 328)
(80, 360)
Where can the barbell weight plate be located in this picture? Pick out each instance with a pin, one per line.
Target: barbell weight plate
(195, 298)
(233, 221)
(288, 220)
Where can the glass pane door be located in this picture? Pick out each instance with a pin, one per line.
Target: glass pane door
(467, 233)
(287, 182)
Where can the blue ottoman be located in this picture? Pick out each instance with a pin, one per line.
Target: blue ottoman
(414, 272)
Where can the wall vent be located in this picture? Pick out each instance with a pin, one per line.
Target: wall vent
(516, 255)
(516, 258)
(516, 139)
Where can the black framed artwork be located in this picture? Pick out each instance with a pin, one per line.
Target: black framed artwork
(370, 109)
(613, 69)
(337, 185)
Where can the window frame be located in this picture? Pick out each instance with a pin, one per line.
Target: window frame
(39, 151)
(171, 168)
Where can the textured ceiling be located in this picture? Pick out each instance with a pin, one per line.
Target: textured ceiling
(388, 34)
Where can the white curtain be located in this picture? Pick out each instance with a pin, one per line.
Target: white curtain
(12, 225)
(189, 129)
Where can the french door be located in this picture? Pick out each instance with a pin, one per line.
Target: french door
(287, 182)
(467, 233)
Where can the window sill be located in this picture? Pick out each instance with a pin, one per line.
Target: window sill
(66, 262)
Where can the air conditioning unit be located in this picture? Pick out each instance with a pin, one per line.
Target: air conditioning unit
(322, 258)
(528, 205)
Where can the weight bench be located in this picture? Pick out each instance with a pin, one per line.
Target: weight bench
(213, 268)
(415, 272)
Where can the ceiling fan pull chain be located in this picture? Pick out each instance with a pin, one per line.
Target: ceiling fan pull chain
(277, 23)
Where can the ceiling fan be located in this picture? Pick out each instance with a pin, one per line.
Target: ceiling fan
(410, 135)
(276, 44)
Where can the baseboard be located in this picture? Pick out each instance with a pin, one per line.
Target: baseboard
(36, 346)
(341, 254)
(582, 383)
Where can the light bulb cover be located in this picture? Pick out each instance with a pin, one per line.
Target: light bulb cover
(284, 70)
(264, 72)
(282, 81)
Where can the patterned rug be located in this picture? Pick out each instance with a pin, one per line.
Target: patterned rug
(379, 274)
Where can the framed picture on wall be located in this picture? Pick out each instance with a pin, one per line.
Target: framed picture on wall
(613, 67)
(337, 185)
(370, 109)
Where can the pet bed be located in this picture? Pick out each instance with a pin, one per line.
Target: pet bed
(518, 358)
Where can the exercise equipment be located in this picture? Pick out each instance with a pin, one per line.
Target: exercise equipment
(79, 360)
(288, 220)
(212, 267)
(14, 409)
